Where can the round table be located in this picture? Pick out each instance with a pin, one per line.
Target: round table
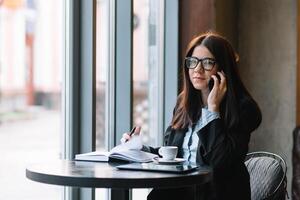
(106, 175)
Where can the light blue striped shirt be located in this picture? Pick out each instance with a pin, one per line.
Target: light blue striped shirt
(191, 139)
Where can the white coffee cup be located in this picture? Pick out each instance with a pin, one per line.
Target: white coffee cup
(168, 152)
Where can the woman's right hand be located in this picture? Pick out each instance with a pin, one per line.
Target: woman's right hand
(126, 136)
(217, 93)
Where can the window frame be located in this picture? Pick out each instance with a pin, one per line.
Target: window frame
(79, 85)
(80, 80)
(171, 58)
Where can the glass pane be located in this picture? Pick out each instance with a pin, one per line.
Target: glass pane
(102, 63)
(147, 72)
(31, 65)
(102, 59)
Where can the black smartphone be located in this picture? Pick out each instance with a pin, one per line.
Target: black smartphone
(211, 82)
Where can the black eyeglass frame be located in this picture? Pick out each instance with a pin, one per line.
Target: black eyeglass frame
(201, 61)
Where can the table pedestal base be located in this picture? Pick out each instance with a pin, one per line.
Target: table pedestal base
(119, 194)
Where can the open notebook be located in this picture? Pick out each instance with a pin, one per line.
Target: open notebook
(129, 151)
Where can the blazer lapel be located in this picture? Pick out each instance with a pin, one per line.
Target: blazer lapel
(178, 140)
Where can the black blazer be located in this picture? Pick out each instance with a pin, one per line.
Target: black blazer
(223, 150)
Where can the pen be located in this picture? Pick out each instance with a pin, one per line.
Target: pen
(131, 132)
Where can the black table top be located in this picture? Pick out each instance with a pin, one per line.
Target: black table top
(106, 175)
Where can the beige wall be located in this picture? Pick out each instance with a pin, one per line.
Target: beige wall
(264, 32)
(267, 46)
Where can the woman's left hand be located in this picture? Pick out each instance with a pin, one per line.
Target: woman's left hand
(217, 93)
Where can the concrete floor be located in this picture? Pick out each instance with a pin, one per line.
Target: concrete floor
(32, 139)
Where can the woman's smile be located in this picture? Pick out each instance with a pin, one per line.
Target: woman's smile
(199, 78)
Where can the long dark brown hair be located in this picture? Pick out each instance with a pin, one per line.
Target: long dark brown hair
(189, 102)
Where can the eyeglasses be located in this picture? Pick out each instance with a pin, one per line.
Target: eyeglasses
(207, 63)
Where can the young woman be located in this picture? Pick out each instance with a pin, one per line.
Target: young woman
(211, 125)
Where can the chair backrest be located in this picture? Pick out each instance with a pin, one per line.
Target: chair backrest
(267, 175)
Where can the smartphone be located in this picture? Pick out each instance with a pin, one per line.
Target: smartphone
(211, 82)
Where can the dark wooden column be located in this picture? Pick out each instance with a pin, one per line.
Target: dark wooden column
(194, 17)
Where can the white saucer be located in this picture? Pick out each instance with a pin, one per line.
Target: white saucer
(164, 161)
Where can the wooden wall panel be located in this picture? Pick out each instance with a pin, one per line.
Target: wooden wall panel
(195, 16)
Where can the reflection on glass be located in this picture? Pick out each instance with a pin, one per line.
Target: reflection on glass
(147, 34)
(102, 49)
(147, 67)
(102, 63)
(141, 67)
(31, 66)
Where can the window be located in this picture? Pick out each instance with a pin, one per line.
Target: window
(44, 94)
(102, 66)
(148, 68)
(31, 66)
(130, 65)
(103, 87)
